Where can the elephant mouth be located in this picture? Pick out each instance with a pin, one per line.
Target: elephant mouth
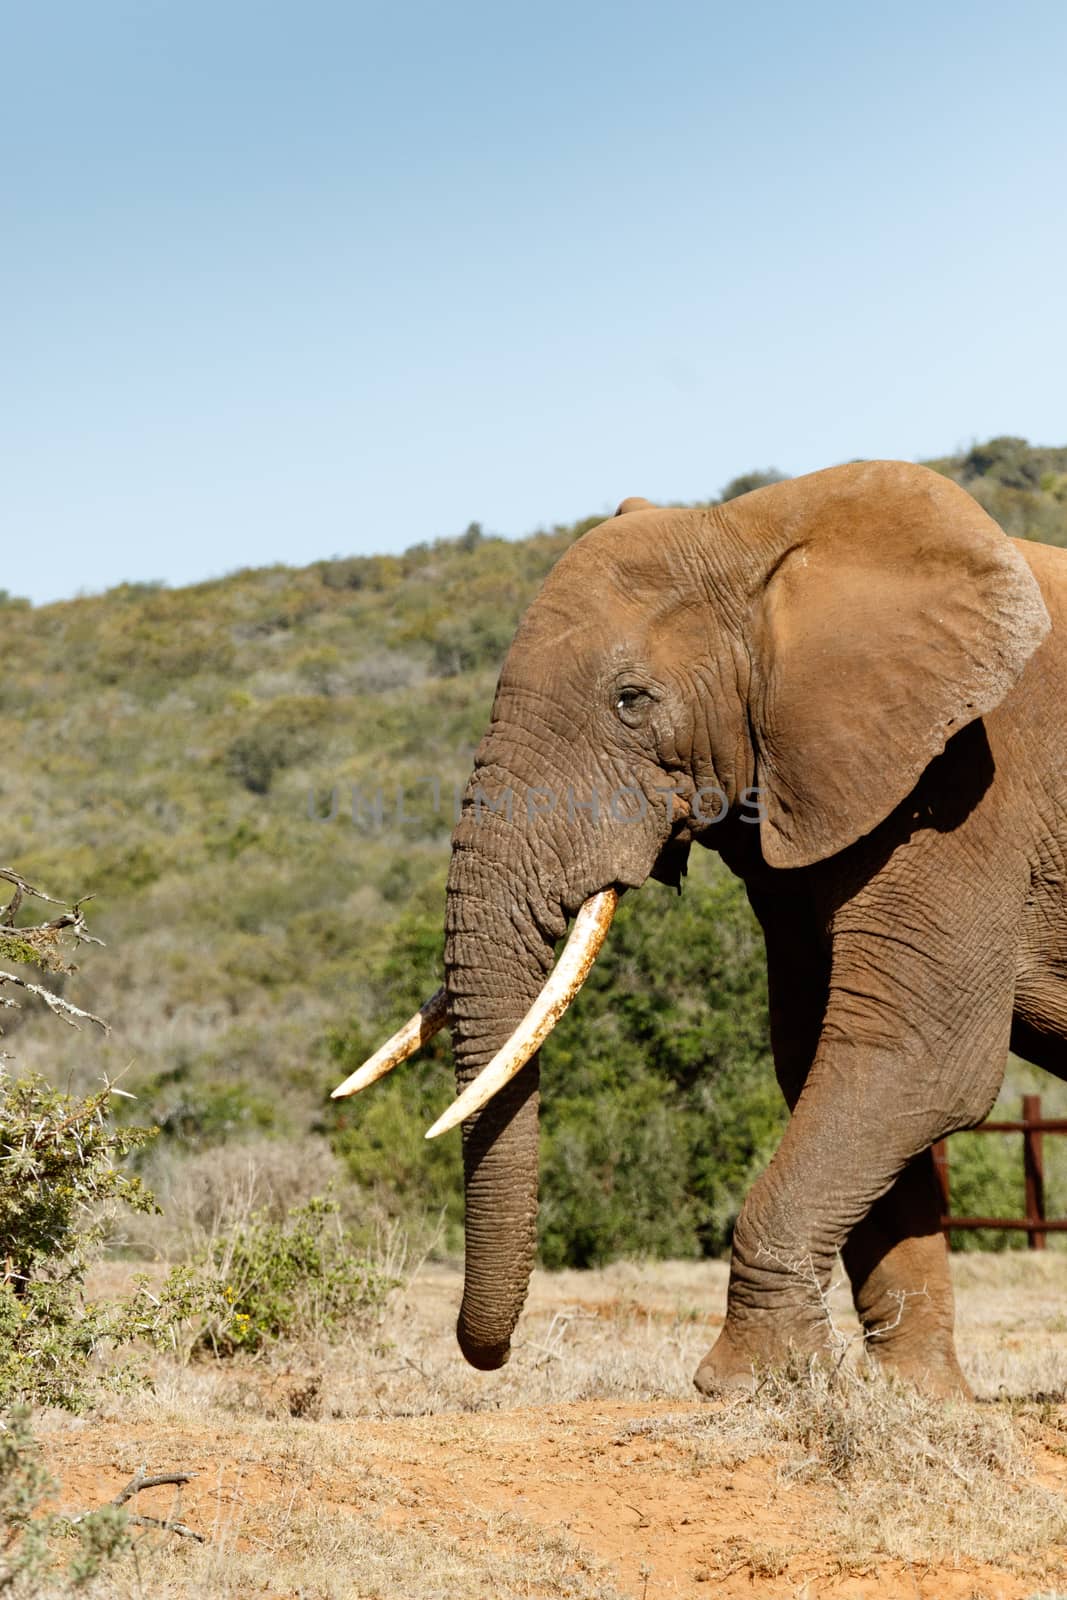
(560, 987)
(672, 863)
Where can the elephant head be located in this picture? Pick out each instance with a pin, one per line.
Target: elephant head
(799, 655)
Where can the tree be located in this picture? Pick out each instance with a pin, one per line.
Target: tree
(747, 481)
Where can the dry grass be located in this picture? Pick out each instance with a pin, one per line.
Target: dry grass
(291, 1508)
(387, 1467)
(626, 1333)
(913, 1478)
(318, 1552)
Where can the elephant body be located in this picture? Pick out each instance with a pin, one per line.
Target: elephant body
(872, 678)
(864, 960)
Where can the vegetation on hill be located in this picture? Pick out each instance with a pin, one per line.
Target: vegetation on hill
(257, 776)
(1024, 487)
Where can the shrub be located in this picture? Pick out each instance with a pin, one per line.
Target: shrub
(1007, 460)
(381, 1141)
(285, 733)
(380, 1135)
(26, 1562)
(41, 945)
(616, 1180)
(258, 1280)
(360, 572)
(462, 644)
(986, 1180)
(302, 1277)
(215, 1115)
(149, 652)
(59, 1182)
(660, 1104)
(747, 481)
(58, 1160)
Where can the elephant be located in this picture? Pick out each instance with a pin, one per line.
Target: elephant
(869, 678)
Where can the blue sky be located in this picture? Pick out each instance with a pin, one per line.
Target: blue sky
(280, 281)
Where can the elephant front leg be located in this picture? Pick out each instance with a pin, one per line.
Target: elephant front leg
(865, 1116)
(897, 1260)
(776, 1309)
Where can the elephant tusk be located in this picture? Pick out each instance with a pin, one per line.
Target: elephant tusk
(562, 984)
(417, 1031)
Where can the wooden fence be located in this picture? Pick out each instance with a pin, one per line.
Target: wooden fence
(1033, 1128)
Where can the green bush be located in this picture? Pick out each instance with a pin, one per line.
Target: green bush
(302, 1277)
(216, 1115)
(259, 1280)
(59, 1181)
(747, 481)
(986, 1180)
(1006, 460)
(28, 1563)
(1020, 485)
(58, 1164)
(660, 1104)
(285, 733)
(616, 1179)
(376, 573)
(155, 649)
(380, 1136)
(462, 644)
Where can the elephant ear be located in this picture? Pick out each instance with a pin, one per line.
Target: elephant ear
(895, 612)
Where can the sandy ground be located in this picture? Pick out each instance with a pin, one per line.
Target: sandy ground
(588, 1467)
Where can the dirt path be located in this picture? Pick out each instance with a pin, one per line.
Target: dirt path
(585, 1470)
(581, 1480)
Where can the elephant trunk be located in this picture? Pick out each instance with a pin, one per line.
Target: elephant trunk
(496, 959)
(500, 1155)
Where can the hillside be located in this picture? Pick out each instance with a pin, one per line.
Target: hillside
(178, 754)
(1023, 486)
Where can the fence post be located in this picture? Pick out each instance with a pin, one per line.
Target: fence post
(940, 1155)
(1034, 1169)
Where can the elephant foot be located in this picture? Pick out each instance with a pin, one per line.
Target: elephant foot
(735, 1365)
(935, 1373)
(715, 1377)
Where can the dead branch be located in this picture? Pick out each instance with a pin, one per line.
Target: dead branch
(42, 940)
(140, 1519)
(23, 888)
(62, 1008)
(72, 918)
(839, 1342)
(139, 1481)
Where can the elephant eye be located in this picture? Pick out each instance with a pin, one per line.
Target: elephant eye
(632, 706)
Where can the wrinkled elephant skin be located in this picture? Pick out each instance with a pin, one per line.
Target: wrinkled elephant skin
(872, 676)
